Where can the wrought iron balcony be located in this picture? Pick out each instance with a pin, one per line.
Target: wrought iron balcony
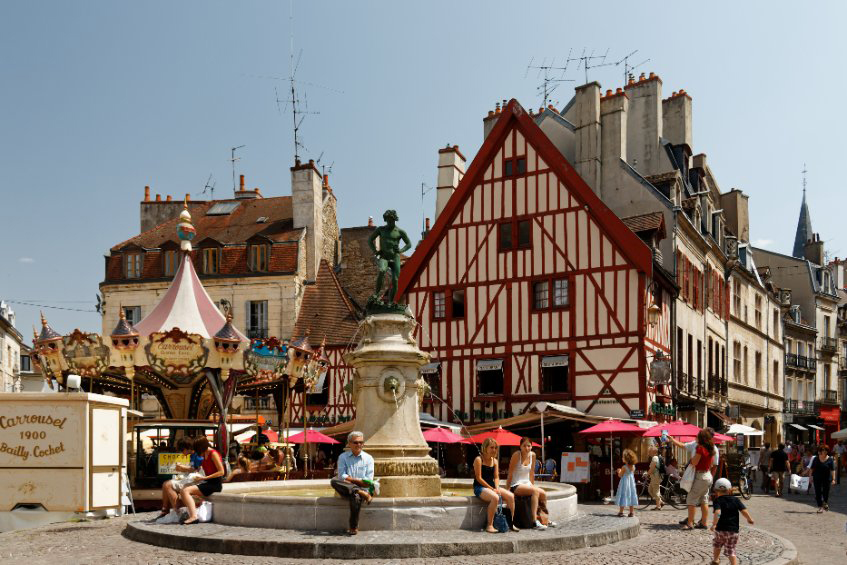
(257, 333)
(791, 359)
(801, 407)
(829, 344)
(682, 382)
(811, 363)
(842, 365)
(829, 397)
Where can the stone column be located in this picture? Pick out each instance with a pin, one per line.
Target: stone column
(386, 392)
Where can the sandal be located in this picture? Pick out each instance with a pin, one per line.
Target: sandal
(686, 528)
(620, 514)
(491, 530)
(631, 515)
(191, 521)
(701, 526)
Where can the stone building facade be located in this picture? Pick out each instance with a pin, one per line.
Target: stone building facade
(11, 341)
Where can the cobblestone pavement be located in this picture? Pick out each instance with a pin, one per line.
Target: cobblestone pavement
(660, 542)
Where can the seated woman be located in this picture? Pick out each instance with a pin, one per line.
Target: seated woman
(521, 479)
(256, 457)
(213, 467)
(170, 493)
(671, 469)
(241, 466)
(485, 483)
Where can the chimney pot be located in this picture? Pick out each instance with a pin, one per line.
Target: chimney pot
(168, 198)
(370, 221)
(147, 194)
(642, 77)
(312, 162)
(652, 75)
(504, 103)
(427, 225)
(326, 180)
(158, 198)
(187, 197)
(241, 181)
(490, 113)
(619, 90)
(608, 92)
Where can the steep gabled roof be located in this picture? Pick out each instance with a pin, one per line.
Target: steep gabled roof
(804, 229)
(515, 117)
(326, 311)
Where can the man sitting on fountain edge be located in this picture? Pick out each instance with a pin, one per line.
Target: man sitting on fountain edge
(355, 467)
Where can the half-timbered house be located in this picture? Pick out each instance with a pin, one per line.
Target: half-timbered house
(528, 287)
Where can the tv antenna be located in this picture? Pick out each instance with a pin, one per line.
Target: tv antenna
(425, 189)
(549, 81)
(210, 188)
(587, 61)
(627, 68)
(234, 159)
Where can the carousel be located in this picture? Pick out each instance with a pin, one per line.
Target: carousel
(187, 353)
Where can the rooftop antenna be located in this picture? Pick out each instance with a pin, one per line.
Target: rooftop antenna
(804, 171)
(210, 187)
(425, 189)
(234, 159)
(550, 77)
(299, 109)
(627, 68)
(587, 61)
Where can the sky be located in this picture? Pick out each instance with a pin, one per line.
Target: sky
(100, 98)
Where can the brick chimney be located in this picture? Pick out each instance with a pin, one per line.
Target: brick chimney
(243, 193)
(813, 250)
(645, 124)
(613, 127)
(676, 119)
(736, 214)
(451, 169)
(587, 123)
(307, 204)
(147, 194)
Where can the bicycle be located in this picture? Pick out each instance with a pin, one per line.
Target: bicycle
(745, 486)
(669, 492)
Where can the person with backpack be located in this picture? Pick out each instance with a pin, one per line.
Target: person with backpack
(655, 474)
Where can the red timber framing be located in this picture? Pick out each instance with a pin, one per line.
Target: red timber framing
(586, 345)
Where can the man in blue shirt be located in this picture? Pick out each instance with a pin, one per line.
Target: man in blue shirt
(354, 468)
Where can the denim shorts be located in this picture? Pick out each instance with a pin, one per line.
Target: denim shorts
(477, 490)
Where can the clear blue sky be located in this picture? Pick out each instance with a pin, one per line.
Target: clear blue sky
(100, 98)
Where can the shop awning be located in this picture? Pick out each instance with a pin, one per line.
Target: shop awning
(722, 417)
(798, 427)
(814, 427)
(430, 368)
(489, 365)
(554, 361)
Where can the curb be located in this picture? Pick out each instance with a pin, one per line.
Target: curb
(789, 554)
(326, 549)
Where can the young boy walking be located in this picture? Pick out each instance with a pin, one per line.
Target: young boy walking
(725, 523)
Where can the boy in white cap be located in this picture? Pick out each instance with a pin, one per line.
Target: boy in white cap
(725, 523)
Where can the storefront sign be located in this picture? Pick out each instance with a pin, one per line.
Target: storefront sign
(575, 467)
(177, 355)
(636, 414)
(85, 353)
(830, 414)
(168, 462)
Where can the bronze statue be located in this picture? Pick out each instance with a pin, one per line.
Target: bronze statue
(387, 259)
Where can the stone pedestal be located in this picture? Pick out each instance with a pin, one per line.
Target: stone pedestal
(386, 393)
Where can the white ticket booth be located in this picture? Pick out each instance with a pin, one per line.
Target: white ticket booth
(61, 456)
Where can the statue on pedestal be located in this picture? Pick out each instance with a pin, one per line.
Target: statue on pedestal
(388, 257)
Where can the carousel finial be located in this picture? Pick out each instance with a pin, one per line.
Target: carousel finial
(43, 319)
(122, 314)
(185, 229)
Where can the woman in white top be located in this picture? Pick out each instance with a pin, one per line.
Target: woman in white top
(521, 479)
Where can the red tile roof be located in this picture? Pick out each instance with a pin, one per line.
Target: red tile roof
(326, 311)
(646, 222)
(236, 227)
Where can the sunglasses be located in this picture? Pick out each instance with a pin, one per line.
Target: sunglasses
(357, 442)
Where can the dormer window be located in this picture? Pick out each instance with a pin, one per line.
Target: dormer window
(259, 257)
(133, 263)
(169, 257)
(211, 260)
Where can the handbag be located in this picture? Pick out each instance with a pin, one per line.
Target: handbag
(687, 480)
(500, 524)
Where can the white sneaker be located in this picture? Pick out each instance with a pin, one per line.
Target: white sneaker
(540, 526)
(551, 524)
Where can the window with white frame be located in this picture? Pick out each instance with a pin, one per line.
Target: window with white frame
(132, 314)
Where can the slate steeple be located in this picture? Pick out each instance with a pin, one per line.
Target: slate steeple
(804, 224)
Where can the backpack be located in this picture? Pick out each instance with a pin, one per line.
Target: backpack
(661, 467)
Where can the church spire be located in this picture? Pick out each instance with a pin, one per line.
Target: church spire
(804, 224)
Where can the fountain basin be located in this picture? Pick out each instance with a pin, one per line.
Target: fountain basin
(292, 505)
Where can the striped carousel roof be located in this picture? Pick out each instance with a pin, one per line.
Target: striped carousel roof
(186, 305)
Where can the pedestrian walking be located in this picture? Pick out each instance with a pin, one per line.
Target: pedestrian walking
(655, 474)
(821, 469)
(704, 459)
(627, 493)
(764, 462)
(725, 523)
(778, 466)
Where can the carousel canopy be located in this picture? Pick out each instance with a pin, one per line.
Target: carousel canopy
(186, 305)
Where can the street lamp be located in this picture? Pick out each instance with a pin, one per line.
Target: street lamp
(125, 342)
(300, 360)
(48, 347)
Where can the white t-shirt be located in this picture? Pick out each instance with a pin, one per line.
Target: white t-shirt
(691, 447)
(655, 463)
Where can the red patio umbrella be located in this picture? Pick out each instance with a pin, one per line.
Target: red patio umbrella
(504, 438)
(718, 438)
(442, 435)
(676, 428)
(612, 428)
(314, 436)
(272, 436)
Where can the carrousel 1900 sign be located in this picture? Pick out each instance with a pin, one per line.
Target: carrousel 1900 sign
(266, 360)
